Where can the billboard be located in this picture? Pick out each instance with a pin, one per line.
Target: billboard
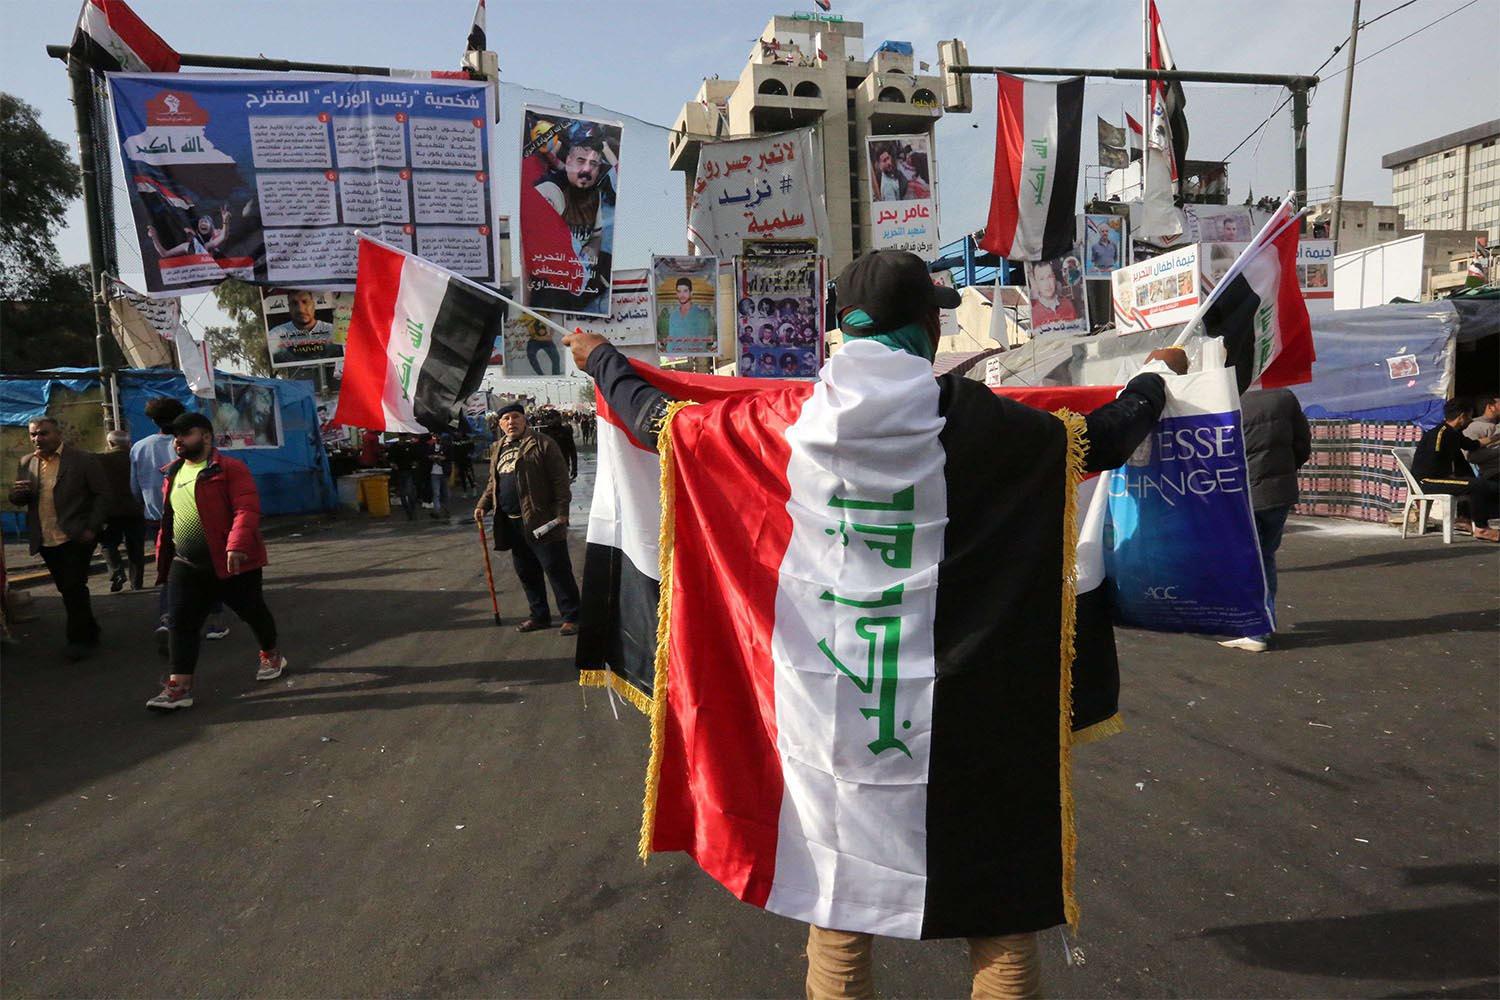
(779, 316)
(686, 290)
(902, 194)
(267, 178)
(1162, 291)
(305, 327)
(745, 189)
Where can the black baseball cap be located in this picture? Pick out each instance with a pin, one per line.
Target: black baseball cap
(189, 421)
(893, 287)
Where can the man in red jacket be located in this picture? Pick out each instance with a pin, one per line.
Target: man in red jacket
(209, 548)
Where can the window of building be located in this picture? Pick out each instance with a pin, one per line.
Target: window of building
(892, 95)
(772, 88)
(1448, 154)
(1387, 227)
(806, 89)
(924, 98)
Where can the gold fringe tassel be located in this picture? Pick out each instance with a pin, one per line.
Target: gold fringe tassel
(620, 686)
(658, 700)
(1077, 449)
(1112, 726)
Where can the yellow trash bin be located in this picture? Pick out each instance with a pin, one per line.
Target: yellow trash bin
(375, 492)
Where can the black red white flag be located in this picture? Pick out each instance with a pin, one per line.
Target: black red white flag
(1258, 309)
(419, 340)
(477, 40)
(1032, 199)
(111, 38)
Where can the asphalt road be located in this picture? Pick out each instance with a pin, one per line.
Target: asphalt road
(429, 806)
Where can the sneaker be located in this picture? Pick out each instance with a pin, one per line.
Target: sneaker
(271, 666)
(216, 630)
(173, 696)
(1250, 644)
(117, 581)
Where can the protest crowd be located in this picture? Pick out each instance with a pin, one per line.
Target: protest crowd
(864, 588)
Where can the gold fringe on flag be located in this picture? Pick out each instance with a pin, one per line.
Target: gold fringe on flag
(658, 701)
(619, 685)
(1112, 726)
(1077, 431)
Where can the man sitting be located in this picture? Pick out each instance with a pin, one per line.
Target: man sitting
(1440, 465)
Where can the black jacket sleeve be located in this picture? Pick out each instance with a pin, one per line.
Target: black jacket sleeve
(637, 402)
(1118, 427)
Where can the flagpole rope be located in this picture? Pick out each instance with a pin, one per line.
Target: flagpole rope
(1077, 431)
(663, 626)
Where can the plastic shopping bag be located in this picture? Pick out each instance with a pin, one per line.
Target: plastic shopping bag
(1180, 549)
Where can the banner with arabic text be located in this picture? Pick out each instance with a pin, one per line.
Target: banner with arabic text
(570, 175)
(903, 197)
(753, 188)
(267, 178)
(631, 304)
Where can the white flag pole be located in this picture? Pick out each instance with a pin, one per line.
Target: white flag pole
(467, 281)
(1264, 237)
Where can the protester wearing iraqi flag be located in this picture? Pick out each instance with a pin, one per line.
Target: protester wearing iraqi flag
(867, 625)
(1038, 130)
(419, 339)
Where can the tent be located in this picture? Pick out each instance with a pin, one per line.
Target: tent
(269, 424)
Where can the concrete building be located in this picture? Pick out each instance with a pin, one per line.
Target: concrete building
(810, 69)
(1451, 182)
(1362, 224)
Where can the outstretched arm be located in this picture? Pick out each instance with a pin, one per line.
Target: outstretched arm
(637, 402)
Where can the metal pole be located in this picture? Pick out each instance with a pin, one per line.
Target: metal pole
(1180, 75)
(83, 114)
(1299, 144)
(1337, 200)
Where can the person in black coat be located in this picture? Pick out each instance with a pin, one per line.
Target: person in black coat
(1278, 442)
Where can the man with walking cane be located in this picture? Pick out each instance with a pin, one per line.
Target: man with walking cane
(527, 488)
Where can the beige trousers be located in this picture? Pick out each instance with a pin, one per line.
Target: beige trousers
(838, 966)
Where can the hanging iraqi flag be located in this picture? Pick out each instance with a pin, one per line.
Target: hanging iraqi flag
(1037, 137)
(419, 339)
(1259, 311)
(111, 38)
(821, 737)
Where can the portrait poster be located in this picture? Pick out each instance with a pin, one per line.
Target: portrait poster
(244, 415)
(306, 327)
(1159, 292)
(686, 303)
(779, 316)
(570, 175)
(769, 186)
(630, 322)
(1058, 301)
(1104, 242)
(902, 195)
(533, 349)
(266, 178)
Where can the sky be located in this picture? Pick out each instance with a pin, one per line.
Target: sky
(645, 58)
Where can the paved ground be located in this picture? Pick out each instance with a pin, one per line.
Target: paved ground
(430, 806)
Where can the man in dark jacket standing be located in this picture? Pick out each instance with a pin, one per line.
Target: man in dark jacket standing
(528, 489)
(209, 549)
(1278, 442)
(67, 499)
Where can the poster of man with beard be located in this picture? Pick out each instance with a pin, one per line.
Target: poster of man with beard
(569, 179)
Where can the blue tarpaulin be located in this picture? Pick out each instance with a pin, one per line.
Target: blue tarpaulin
(292, 478)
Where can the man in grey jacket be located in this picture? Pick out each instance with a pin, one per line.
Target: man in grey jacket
(1278, 442)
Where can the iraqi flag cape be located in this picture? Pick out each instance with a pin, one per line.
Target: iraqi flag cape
(1037, 133)
(419, 340)
(855, 614)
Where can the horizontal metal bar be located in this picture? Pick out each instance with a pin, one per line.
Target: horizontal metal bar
(1182, 75)
(255, 63)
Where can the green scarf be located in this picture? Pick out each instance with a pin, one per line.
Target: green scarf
(911, 338)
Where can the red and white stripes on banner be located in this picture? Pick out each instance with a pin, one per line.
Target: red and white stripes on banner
(1037, 132)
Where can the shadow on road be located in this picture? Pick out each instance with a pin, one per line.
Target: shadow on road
(1393, 558)
(1343, 632)
(1433, 943)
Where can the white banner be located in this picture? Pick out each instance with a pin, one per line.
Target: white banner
(1162, 291)
(754, 188)
(629, 321)
(903, 194)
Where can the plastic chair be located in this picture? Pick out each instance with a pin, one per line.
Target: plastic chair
(1438, 505)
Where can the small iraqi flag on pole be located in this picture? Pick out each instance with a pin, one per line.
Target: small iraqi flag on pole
(1258, 309)
(419, 340)
(112, 39)
(1037, 137)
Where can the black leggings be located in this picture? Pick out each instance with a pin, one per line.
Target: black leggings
(192, 592)
(1483, 494)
